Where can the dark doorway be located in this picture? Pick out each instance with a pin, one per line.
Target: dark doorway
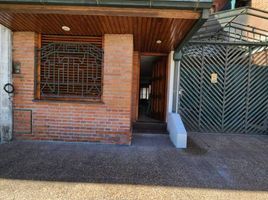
(152, 96)
(242, 3)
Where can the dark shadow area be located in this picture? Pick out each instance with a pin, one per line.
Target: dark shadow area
(211, 161)
(193, 148)
(152, 89)
(145, 88)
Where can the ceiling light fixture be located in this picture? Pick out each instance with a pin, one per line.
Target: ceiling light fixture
(65, 28)
(158, 41)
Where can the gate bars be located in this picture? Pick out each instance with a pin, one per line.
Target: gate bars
(238, 102)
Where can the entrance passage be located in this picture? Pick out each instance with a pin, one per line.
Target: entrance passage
(152, 99)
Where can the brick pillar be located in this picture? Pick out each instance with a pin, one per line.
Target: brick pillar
(5, 77)
(117, 84)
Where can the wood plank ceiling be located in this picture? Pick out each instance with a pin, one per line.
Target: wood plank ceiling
(146, 30)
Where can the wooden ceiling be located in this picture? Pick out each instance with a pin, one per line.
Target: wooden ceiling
(146, 30)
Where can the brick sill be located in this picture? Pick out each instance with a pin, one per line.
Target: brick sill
(68, 101)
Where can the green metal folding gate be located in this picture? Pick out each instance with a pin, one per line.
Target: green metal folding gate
(224, 88)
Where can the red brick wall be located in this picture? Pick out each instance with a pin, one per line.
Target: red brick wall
(109, 122)
(135, 86)
(22, 122)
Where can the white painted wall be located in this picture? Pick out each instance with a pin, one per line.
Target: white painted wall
(175, 126)
(177, 131)
(5, 77)
(171, 65)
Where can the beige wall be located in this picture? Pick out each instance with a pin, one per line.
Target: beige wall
(260, 4)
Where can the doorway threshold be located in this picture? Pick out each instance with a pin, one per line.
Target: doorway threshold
(140, 127)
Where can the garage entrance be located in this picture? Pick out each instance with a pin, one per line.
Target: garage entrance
(225, 88)
(224, 76)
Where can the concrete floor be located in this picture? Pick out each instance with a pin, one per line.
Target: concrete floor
(213, 167)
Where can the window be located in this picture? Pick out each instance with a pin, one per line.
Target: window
(70, 68)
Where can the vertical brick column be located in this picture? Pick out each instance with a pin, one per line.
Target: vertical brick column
(5, 77)
(117, 91)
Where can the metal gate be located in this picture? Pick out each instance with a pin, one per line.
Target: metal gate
(224, 88)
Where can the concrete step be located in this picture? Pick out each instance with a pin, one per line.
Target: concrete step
(152, 140)
(138, 132)
(150, 127)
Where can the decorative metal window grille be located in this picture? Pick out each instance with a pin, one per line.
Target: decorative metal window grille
(71, 70)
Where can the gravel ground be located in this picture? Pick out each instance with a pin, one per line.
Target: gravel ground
(215, 166)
